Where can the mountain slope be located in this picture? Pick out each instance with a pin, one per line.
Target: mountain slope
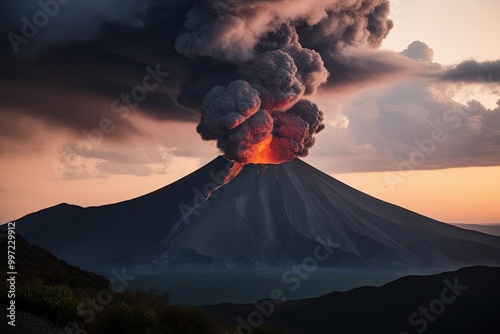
(133, 228)
(34, 264)
(269, 215)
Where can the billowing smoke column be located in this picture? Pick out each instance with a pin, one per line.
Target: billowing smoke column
(261, 118)
(259, 113)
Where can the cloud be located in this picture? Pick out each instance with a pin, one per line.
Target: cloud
(471, 71)
(70, 78)
(420, 51)
(102, 53)
(75, 21)
(140, 161)
(412, 125)
(359, 69)
(267, 47)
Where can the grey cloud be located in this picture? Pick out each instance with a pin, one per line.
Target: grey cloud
(274, 75)
(472, 71)
(396, 129)
(357, 69)
(420, 51)
(74, 163)
(227, 108)
(81, 20)
(99, 49)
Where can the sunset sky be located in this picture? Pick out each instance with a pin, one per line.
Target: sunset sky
(427, 100)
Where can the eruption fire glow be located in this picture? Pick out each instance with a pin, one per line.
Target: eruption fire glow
(263, 153)
(262, 118)
(265, 58)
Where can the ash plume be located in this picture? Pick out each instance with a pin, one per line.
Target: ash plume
(263, 116)
(247, 67)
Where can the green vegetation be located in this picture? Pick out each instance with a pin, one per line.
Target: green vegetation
(57, 304)
(63, 294)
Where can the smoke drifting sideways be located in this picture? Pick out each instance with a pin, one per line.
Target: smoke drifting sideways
(260, 114)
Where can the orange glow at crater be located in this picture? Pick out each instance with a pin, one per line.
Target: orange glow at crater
(264, 153)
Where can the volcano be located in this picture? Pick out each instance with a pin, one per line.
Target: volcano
(268, 216)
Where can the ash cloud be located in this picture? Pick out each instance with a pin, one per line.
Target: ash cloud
(472, 71)
(266, 45)
(283, 50)
(469, 71)
(278, 54)
(76, 20)
(228, 108)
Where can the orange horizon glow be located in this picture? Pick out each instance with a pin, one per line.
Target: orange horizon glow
(469, 195)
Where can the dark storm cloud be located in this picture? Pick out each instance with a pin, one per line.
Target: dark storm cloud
(367, 68)
(282, 65)
(75, 85)
(472, 71)
(93, 51)
(283, 49)
(33, 25)
(357, 68)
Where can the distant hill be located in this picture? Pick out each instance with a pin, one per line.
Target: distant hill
(387, 309)
(489, 229)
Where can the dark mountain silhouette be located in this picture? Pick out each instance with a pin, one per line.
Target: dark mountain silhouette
(268, 216)
(36, 264)
(459, 302)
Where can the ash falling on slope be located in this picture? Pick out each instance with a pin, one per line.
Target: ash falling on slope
(273, 55)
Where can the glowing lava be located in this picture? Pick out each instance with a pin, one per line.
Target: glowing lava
(263, 153)
(233, 172)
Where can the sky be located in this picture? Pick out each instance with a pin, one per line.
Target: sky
(410, 113)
